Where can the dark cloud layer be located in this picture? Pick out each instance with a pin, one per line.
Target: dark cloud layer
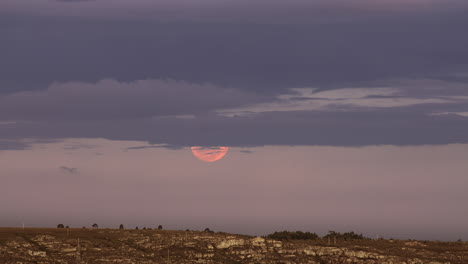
(265, 57)
(175, 114)
(109, 100)
(286, 128)
(168, 72)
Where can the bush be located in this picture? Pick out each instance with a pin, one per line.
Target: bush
(121, 226)
(208, 230)
(160, 227)
(95, 226)
(298, 235)
(60, 226)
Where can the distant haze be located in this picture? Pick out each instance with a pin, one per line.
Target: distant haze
(399, 192)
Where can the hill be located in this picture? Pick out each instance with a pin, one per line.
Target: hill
(38, 245)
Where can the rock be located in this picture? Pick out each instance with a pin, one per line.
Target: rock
(230, 243)
(258, 242)
(37, 253)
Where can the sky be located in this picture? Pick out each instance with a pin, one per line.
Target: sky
(345, 115)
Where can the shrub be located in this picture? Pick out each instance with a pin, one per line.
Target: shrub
(60, 226)
(160, 227)
(208, 230)
(95, 226)
(121, 226)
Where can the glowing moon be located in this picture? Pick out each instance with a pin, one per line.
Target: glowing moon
(209, 154)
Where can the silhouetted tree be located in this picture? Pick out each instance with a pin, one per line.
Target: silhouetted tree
(60, 226)
(144, 228)
(95, 226)
(160, 227)
(121, 226)
(136, 228)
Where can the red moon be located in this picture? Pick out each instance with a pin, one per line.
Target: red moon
(209, 154)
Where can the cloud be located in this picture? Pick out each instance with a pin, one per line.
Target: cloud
(400, 113)
(68, 170)
(396, 95)
(109, 99)
(16, 143)
(257, 56)
(215, 10)
(74, 1)
(76, 146)
(326, 128)
(13, 145)
(166, 146)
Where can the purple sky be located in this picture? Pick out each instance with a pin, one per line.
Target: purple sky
(364, 99)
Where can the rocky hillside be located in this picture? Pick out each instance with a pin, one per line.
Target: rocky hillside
(179, 247)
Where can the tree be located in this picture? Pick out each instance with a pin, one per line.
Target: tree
(160, 227)
(60, 226)
(95, 226)
(121, 226)
(208, 230)
(67, 227)
(136, 228)
(347, 236)
(297, 235)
